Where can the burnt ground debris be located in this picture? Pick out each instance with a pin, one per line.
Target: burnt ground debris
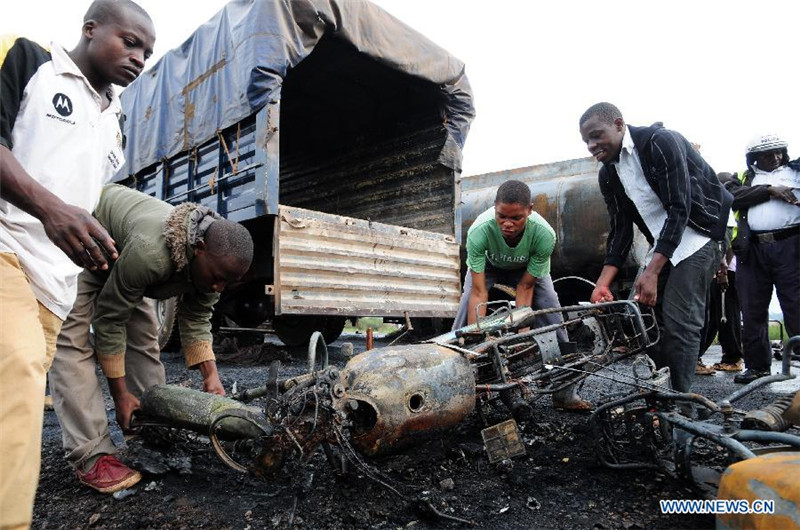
(558, 484)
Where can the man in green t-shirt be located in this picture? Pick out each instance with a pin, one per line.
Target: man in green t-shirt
(511, 244)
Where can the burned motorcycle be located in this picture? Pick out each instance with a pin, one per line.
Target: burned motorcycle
(388, 398)
(687, 435)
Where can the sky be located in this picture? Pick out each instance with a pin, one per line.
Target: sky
(720, 72)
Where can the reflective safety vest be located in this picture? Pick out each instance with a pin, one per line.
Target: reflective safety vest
(740, 176)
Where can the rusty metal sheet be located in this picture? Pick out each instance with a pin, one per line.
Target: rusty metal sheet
(391, 175)
(567, 195)
(502, 441)
(330, 264)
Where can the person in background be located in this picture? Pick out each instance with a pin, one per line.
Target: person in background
(766, 198)
(652, 177)
(723, 312)
(60, 141)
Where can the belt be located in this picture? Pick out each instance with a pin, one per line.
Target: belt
(775, 235)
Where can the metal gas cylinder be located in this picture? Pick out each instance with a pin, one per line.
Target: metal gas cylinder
(399, 394)
(196, 411)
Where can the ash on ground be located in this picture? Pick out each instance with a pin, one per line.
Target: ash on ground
(557, 484)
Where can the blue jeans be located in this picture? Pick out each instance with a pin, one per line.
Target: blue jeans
(544, 297)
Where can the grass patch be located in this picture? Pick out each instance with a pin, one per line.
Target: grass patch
(376, 323)
(775, 332)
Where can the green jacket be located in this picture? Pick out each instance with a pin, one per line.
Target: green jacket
(137, 222)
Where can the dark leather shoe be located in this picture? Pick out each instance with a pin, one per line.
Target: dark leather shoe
(750, 375)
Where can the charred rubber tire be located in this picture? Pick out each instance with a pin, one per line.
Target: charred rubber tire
(426, 328)
(296, 330)
(333, 328)
(168, 336)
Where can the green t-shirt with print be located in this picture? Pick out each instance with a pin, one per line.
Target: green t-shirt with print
(485, 242)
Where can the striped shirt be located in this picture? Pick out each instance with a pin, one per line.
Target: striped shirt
(684, 183)
(629, 169)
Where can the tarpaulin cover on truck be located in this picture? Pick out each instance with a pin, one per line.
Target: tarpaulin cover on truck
(235, 64)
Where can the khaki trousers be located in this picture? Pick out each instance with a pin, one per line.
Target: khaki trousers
(76, 380)
(28, 333)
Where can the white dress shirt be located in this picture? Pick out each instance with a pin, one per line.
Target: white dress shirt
(629, 169)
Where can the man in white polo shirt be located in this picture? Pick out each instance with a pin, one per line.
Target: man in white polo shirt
(652, 177)
(60, 141)
(767, 246)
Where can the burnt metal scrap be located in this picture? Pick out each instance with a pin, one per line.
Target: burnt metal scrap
(347, 413)
(388, 398)
(685, 434)
(512, 360)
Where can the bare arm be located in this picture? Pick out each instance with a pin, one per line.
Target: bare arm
(125, 403)
(72, 229)
(647, 284)
(525, 290)
(602, 291)
(211, 381)
(479, 295)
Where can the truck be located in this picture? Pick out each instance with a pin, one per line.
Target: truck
(567, 195)
(334, 133)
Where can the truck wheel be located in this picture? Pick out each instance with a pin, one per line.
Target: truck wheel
(426, 328)
(333, 328)
(168, 336)
(296, 330)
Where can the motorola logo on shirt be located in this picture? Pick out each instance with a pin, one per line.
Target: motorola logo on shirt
(62, 104)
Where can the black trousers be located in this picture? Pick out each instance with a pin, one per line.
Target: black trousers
(730, 333)
(768, 264)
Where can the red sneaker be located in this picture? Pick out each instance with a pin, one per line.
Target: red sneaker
(108, 475)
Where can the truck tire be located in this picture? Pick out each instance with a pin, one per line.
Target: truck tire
(296, 330)
(333, 328)
(426, 328)
(168, 336)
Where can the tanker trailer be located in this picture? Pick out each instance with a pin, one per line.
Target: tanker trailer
(568, 196)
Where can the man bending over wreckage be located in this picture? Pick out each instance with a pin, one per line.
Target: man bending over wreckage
(654, 178)
(511, 244)
(164, 251)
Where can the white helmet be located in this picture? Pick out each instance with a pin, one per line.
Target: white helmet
(766, 142)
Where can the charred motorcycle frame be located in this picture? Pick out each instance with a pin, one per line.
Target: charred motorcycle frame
(388, 398)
